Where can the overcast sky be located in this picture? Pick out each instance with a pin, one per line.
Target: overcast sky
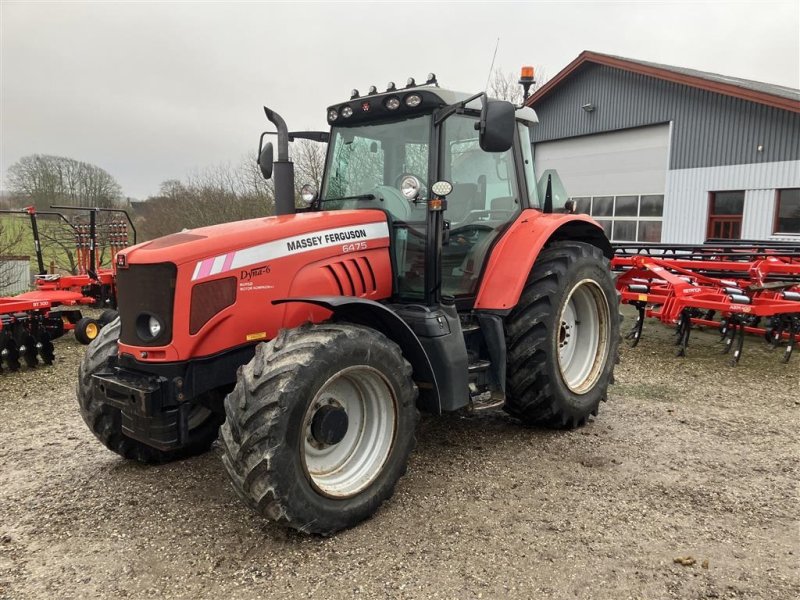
(155, 91)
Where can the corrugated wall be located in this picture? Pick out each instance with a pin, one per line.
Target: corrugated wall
(709, 129)
(686, 205)
(633, 161)
(15, 276)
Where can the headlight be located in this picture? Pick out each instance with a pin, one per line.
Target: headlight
(393, 103)
(148, 327)
(410, 187)
(442, 188)
(333, 114)
(308, 193)
(347, 112)
(413, 100)
(154, 326)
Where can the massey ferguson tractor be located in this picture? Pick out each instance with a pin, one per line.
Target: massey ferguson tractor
(429, 272)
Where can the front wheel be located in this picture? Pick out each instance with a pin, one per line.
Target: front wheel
(105, 421)
(320, 426)
(562, 338)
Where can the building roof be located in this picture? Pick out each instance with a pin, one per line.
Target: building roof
(770, 94)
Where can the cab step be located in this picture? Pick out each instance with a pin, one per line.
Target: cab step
(479, 366)
(469, 327)
(486, 400)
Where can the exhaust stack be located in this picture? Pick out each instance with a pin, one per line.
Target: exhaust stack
(283, 168)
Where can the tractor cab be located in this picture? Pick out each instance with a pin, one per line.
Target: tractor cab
(387, 151)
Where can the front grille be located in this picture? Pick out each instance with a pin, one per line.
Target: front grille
(148, 289)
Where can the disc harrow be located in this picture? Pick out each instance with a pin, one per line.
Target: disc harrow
(27, 331)
(29, 322)
(738, 287)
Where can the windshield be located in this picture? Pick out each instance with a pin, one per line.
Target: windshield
(367, 158)
(366, 165)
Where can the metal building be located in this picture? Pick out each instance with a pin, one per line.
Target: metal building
(15, 275)
(665, 154)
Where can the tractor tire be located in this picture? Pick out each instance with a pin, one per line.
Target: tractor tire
(86, 330)
(107, 316)
(105, 421)
(320, 426)
(563, 338)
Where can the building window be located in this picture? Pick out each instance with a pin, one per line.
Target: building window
(725, 212)
(787, 212)
(629, 218)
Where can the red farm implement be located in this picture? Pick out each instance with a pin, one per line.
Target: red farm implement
(737, 286)
(29, 322)
(27, 328)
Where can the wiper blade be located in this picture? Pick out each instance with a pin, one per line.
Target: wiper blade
(357, 197)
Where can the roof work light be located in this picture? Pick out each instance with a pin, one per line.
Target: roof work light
(526, 80)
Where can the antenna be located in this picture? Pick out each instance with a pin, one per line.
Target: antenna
(491, 67)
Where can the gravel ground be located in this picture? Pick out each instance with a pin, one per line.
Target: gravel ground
(689, 459)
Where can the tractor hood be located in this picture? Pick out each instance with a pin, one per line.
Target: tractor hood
(267, 235)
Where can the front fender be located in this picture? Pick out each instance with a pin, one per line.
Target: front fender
(513, 256)
(378, 316)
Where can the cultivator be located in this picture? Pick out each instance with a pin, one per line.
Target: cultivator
(738, 287)
(29, 322)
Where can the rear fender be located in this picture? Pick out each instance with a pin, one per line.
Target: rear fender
(513, 256)
(377, 316)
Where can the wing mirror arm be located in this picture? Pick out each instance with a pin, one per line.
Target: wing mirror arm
(447, 111)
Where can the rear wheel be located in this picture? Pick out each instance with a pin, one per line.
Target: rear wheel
(105, 421)
(562, 338)
(320, 426)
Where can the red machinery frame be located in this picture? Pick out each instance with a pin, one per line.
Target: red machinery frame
(751, 287)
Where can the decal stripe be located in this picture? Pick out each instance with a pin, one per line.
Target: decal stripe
(228, 261)
(205, 268)
(306, 242)
(216, 266)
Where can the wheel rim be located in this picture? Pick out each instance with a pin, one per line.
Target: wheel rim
(343, 469)
(582, 336)
(91, 331)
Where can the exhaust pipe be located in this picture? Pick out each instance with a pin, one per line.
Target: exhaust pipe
(283, 168)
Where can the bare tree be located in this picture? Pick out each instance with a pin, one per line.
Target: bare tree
(219, 194)
(504, 85)
(42, 180)
(223, 193)
(58, 246)
(309, 162)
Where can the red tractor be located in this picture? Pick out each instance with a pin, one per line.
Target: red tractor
(429, 272)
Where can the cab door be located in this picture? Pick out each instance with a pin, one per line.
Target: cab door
(485, 198)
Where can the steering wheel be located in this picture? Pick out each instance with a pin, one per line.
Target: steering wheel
(474, 215)
(470, 227)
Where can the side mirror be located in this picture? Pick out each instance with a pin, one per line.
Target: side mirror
(265, 160)
(497, 126)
